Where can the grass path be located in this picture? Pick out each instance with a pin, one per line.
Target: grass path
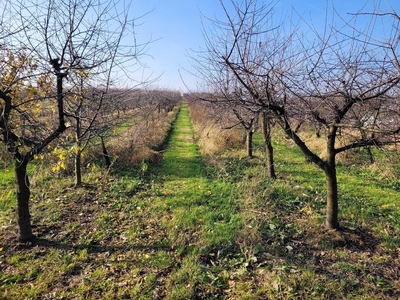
(198, 215)
(182, 158)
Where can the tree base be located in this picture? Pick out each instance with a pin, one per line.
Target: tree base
(27, 239)
(328, 226)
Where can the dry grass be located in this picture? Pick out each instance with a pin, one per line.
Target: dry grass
(147, 154)
(141, 138)
(212, 139)
(318, 145)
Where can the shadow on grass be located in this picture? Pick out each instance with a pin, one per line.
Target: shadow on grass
(94, 247)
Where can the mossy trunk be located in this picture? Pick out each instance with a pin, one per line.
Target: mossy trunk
(23, 195)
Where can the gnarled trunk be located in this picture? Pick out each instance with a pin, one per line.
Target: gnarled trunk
(23, 195)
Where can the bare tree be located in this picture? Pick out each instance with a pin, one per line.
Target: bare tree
(241, 51)
(249, 121)
(347, 84)
(48, 42)
(335, 81)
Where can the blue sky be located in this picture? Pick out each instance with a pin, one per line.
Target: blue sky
(176, 28)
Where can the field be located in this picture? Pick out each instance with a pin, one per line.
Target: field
(205, 224)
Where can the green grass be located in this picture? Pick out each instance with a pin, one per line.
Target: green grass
(7, 195)
(185, 228)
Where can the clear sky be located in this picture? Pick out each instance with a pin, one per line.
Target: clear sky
(175, 26)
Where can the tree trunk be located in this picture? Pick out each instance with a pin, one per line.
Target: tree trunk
(23, 195)
(249, 143)
(269, 151)
(332, 206)
(78, 168)
(370, 155)
(105, 153)
(78, 154)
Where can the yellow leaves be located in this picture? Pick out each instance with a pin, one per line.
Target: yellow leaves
(60, 166)
(76, 149)
(32, 92)
(17, 73)
(307, 209)
(144, 166)
(62, 156)
(83, 74)
(55, 168)
(93, 167)
(384, 206)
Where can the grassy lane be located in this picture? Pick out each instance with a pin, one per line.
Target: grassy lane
(200, 216)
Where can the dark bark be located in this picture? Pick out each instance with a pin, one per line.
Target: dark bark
(105, 153)
(269, 151)
(368, 148)
(331, 220)
(249, 143)
(297, 128)
(78, 155)
(370, 155)
(332, 205)
(328, 166)
(78, 169)
(23, 195)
